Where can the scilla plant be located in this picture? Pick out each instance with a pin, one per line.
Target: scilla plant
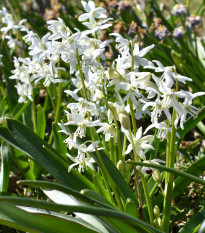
(100, 167)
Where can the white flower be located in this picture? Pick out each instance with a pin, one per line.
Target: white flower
(102, 25)
(109, 131)
(59, 29)
(139, 54)
(169, 74)
(123, 44)
(78, 119)
(131, 88)
(24, 91)
(92, 12)
(163, 129)
(81, 160)
(140, 143)
(187, 106)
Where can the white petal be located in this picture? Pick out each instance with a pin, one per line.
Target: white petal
(144, 51)
(83, 17)
(139, 133)
(129, 148)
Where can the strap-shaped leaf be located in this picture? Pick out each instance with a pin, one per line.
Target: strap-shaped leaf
(173, 170)
(83, 196)
(22, 220)
(105, 163)
(31, 144)
(139, 224)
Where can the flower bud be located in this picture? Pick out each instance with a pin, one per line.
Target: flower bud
(2, 120)
(125, 121)
(121, 166)
(156, 176)
(99, 95)
(121, 110)
(158, 223)
(156, 212)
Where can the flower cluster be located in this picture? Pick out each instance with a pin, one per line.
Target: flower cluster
(95, 109)
(10, 28)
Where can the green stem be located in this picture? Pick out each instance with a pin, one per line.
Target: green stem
(58, 103)
(105, 144)
(81, 74)
(167, 153)
(118, 136)
(34, 114)
(112, 151)
(148, 199)
(51, 98)
(137, 158)
(134, 124)
(124, 147)
(57, 112)
(169, 178)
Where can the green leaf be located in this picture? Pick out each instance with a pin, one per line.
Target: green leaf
(19, 109)
(130, 208)
(31, 144)
(22, 220)
(97, 198)
(99, 186)
(173, 170)
(122, 226)
(81, 209)
(41, 121)
(5, 167)
(82, 196)
(59, 144)
(105, 163)
(197, 219)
